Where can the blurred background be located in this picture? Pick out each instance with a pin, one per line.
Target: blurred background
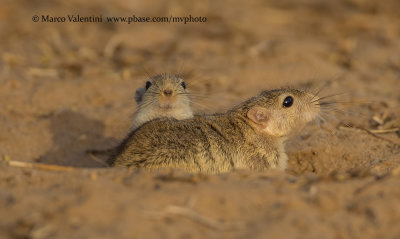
(69, 87)
(66, 87)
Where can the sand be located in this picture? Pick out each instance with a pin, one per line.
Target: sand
(69, 87)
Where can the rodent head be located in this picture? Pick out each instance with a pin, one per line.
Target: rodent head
(163, 91)
(280, 112)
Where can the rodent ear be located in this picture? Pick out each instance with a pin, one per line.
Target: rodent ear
(139, 94)
(259, 116)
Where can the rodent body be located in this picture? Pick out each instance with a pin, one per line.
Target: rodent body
(163, 96)
(250, 136)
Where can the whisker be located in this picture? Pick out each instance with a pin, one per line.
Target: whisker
(321, 118)
(328, 96)
(328, 115)
(346, 113)
(320, 90)
(202, 106)
(187, 93)
(333, 103)
(147, 103)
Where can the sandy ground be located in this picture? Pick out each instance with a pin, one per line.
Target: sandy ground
(68, 87)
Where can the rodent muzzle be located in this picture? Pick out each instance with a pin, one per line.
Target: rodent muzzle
(167, 99)
(167, 92)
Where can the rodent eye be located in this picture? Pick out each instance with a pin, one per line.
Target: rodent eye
(148, 84)
(183, 84)
(288, 101)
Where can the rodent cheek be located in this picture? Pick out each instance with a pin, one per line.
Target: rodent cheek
(274, 130)
(311, 114)
(147, 99)
(277, 125)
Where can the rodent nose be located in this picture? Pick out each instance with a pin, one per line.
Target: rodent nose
(167, 92)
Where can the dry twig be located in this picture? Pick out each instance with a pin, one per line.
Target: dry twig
(198, 218)
(21, 164)
(369, 132)
(94, 158)
(384, 131)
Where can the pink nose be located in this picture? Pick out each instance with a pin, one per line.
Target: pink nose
(167, 92)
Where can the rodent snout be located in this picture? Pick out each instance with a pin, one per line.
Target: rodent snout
(167, 92)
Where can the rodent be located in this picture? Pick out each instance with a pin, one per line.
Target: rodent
(251, 136)
(164, 95)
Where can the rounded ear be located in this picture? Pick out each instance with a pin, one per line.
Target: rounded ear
(259, 116)
(139, 94)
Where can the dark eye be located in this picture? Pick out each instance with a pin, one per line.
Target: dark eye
(288, 101)
(148, 84)
(183, 84)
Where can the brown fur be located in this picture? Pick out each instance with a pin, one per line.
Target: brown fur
(251, 136)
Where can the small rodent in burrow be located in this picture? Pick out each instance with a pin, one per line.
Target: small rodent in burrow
(164, 95)
(251, 136)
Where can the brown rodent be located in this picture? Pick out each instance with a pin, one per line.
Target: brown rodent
(250, 135)
(163, 96)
